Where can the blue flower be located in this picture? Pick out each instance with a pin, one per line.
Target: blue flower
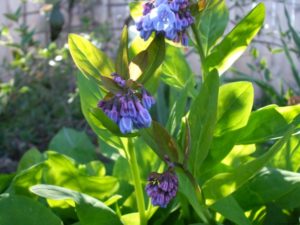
(168, 17)
(159, 2)
(162, 188)
(126, 125)
(163, 18)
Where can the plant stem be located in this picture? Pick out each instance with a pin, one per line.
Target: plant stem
(200, 50)
(203, 213)
(137, 182)
(198, 42)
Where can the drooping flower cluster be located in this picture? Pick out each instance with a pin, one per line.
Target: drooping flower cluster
(162, 188)
(128, 108)
(169, 17)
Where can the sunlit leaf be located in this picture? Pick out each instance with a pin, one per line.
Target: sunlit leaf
(235, 43)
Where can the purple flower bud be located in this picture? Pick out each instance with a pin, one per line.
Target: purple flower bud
(143, 116)
(124, 107)
(125, 125)
(147, 99)
(131, 108)
(119, 81)
(184, 39)
(113, 114)
(162, 188)
(147, 8)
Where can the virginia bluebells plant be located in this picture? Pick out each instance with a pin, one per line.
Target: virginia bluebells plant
(169, 17)
(128, 108)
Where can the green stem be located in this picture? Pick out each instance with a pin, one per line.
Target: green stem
(137, 182)
(198, 42)
(203, 213)
(200, 50)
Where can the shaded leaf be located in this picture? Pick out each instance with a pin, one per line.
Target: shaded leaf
(74, 144)
(20, 210)
(202, 119)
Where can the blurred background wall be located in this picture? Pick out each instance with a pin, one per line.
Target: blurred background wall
(109, 15)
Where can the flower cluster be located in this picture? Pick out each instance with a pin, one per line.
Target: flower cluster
(169, 17)
(162, 188)
(128, 108)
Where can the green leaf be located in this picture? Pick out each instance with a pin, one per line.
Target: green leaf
(26, 178)
(5, 180)
(289, 158)
(20, 210)
(234, 106)
(191, 192)
(74, 144)
(212, 23)
(158, 138)
(143, 66)
(283, 189)
(235, 43)
(62, 171)
(131, 219)
(90, 60)
(230, 209)
(122, 57)
(89, 210)
(224, 184)
(176, 70)
(30, 158)
(267, 123)
(202, 119)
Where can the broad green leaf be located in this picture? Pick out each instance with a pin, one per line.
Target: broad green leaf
(289, 158)
(212, 23)
(20, 210)
(263, 125)
(143, 66)
(267, 123)
(62, 171)
(283, 189)
(234, 106)
(90, 95)
(5, 180)
(176, 71)
(90, 60)
(177, 111)
(202, 120)
(90, 211)
(74, 144)
(192, 193)
(230, 209)
(131, 219)
(224, 184)
(235, 43)
(30, 158)
(158, 138)
(122, 57)
(26, 178)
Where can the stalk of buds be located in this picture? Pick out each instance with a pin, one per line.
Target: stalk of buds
(162, 187)
(130, 107)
